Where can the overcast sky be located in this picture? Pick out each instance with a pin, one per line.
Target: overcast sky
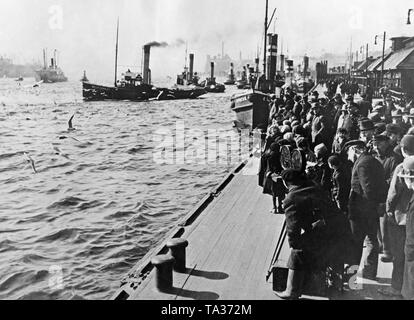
(85, 35)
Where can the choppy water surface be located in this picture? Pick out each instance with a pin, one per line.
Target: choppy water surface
(99, 201)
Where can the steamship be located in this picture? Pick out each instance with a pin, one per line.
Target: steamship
(210, 84)
(134, 87)
(252, 107)
(231, 79)
(52, 73)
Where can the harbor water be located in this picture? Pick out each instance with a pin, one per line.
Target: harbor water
(94, 200)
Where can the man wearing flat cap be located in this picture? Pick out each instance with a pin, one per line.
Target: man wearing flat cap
(368, 190)
(367, 131)
(394, 132)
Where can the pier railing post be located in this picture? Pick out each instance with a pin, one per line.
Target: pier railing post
(178, 251)
(164, 271)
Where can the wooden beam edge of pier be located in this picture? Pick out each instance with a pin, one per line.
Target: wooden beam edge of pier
(139, 273)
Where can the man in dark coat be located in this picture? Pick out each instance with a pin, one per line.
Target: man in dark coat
(321, 132)
(364, 106)
(306, 208)
(368, 190)
(341, 181)
(384, 153)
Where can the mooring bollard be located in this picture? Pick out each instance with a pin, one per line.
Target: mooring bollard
(177, 250)
(164, 273)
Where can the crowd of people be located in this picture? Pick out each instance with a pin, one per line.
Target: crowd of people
(352, 188)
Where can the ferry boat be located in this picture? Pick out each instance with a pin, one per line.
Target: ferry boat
(252, 107)
(51, 73)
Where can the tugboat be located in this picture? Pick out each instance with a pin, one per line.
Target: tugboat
(252, 108)
(210, 84)
(135, 87)
(231, 79)
(242, 82)
(84, 78)
(52, 73)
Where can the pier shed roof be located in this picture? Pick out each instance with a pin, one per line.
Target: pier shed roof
(401, 59)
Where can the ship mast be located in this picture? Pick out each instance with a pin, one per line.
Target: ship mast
(116, 53)
(265, 38)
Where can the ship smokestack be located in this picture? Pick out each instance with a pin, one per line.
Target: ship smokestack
(147, 71)
(191, 71)
(305, 66)
(271, 56)
(45, 58)
(212, 71)
(282, 62)
(232, 69)
(257, 61)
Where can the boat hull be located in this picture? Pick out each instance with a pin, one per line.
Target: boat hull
(252, 110)
(94, 92)
(144, 92)
(50, 76)
(180, 93)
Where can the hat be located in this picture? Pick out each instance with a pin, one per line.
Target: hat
(381, 138)
(380, 127)
(393, 128)
(315, 93)
(320, 151)
(366, 125)
(292, 175)
(285, 129)
(374, 117)
(408, 168)
(289, 136)
(407, 144)
(354, 143)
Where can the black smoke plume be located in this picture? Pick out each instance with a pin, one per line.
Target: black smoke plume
(163, 44)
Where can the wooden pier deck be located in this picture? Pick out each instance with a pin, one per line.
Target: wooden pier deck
(232, 236)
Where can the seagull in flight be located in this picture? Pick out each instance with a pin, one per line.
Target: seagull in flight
(30, 160)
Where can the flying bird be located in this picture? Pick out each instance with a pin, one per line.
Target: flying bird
(30, 160)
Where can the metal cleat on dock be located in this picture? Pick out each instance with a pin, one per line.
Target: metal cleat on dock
(164, 271)
(177, 250)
